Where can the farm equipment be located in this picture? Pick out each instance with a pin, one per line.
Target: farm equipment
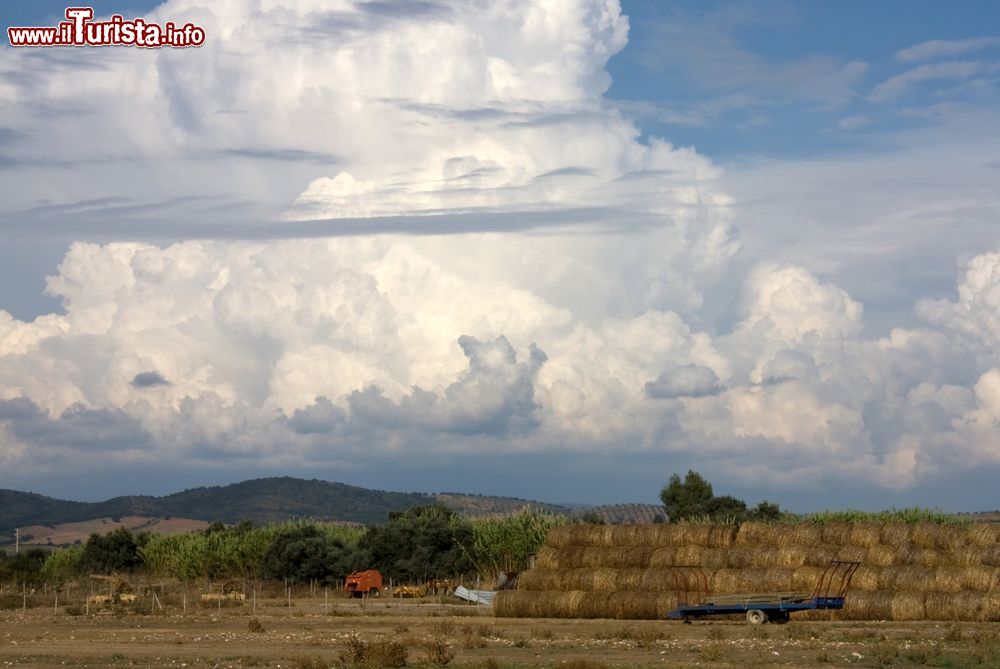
(409, 591)
(362, 583)
(760, 608)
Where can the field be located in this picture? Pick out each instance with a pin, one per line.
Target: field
(315, 632)
(65, 534)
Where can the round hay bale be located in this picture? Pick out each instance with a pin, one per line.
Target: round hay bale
(806, 578)
(592, 605)
(741, 557)
(955, 579)
(803, 534)
(663, 556)
(882, 555)
(540, 579)
(929, 557)
(837, 534)
(965, 605)
(896, 534)
(907, 579)
(737, 581)
(863, 605)
(689, 554)
(853, 553)
(722, 536)
(908, 606)
(967, 556)
(755, 534)
(936, 535)
(866, 578)
(820, 556)
(561, 535)
(990, 556)
(547, 558)
(865, 535)
(638, 605)
(524, 604)
(989, 610)
(983, 534)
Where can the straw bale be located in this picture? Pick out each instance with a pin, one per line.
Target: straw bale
(954, 579)
(896, 534)
(863, 605)
(663, 556)
(620, 557)
(756, 534)
(855, 553)
(525, 604)
(807, 578)
(936, 535)
(866, 578)
(929, 557)
(689, 554)
(722, 536)
(547, 558)
(881, 555)
(909, 578)
(837, 534)
(803, 534)
(865, 535)
(561, 536)
(542, 579)
(908, 606)
(964, 605)
(984, 534)
(740, 557)
(989, 610)
(733, 581)
(990, 556)
(635, 605)
(967, 556)
(820, 556)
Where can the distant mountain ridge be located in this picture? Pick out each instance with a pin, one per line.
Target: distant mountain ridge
(261, 500)
(277, 499)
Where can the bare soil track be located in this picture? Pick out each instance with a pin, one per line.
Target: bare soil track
(313, 633)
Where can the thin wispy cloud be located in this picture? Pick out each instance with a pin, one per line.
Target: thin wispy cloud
(938, 48)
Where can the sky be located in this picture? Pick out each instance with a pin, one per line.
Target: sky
(552, 250)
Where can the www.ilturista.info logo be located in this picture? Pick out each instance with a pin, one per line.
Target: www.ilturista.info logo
(79, 29)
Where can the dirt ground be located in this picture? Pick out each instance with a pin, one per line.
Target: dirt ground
(315, 633)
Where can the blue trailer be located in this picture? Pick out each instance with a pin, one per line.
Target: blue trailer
(759, 608)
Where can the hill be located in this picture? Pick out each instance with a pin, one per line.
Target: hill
(260, 500)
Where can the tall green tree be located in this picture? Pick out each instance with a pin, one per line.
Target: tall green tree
(419, 543)
(116, 551)
(687, 498)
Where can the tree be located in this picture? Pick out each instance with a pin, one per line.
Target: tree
(684, 499)
(693, 498)
(305, 553)
(419, 543)
(115, 551)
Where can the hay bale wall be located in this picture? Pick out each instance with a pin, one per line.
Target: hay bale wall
(921, 571)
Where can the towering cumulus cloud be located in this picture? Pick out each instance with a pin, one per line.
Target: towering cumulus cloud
(543, 280)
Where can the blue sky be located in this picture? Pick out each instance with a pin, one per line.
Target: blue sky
(536, 252)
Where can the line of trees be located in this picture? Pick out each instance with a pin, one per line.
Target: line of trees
(412, 546)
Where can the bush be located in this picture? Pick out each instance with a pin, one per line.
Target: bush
(373, 655)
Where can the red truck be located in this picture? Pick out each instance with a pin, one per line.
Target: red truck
(360, 583)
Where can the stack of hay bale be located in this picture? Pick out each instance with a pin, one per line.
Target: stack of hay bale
(921, 571)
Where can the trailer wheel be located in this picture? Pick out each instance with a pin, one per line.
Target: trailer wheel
(756, 617)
